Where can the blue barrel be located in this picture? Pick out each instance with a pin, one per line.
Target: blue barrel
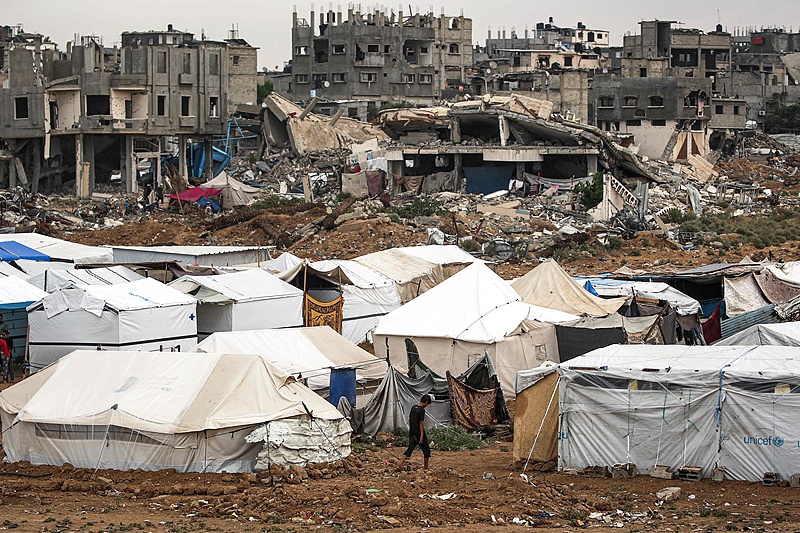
(343, 383)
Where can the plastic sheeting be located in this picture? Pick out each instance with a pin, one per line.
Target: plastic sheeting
(742, 295)
(300, 442)
(548, 285)
(185, 411)
(57, 249)
(733, 407)
(251, 299)
(389, 406)
(12, 250)
(139, 315)
(52, 280)
(192, 255)
(311, 352)
(18, 294)
(782, 334)
(234, 192)
(683, 304)
(412, 275)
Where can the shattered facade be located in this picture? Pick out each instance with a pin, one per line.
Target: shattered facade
(379, 57)
(92, 112)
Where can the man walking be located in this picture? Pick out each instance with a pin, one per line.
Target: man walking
(416, 432)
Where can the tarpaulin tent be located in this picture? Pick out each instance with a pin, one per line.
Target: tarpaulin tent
(587, 334)
(139, 315)
(15, 296)
(252, 299)
(536, 415)
(780, 334)
(548, 285)
(233, 192)
(412, 275)
(57, 249)
(311, 352)
(367, 294)
(52, 280)
(473, 313)
(193, 194)
(449, 256)
(12, 250)
(658, 291)
(191, 412)
(389, 406)
(731, 407)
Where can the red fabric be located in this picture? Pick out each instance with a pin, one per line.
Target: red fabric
(4, 348)
(712, 329)
(194, 194)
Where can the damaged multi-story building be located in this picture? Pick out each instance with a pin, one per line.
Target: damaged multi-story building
(377, 57)
(91, 114)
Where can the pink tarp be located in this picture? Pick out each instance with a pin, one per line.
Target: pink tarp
(194, 194)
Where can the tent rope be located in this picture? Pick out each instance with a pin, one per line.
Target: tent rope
(105, 441)
(333, 447)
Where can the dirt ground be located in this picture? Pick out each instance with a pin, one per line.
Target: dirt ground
(373, 496)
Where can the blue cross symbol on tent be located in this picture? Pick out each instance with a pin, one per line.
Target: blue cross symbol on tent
(191, 317)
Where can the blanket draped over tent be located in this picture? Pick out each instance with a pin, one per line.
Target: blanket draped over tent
(324, 313)
(471, 408)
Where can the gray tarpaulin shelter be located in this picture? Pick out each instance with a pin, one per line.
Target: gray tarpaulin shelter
(389, 406)
(733, 407)
(781, 334)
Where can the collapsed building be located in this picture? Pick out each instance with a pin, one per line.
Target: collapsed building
(93, 114)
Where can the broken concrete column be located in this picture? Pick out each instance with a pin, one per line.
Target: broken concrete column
(505, 130)
(208, 171)
(337, 116)
(78, 164)
(182, 168)
(308, 108)
(37, 165)
(88, 151)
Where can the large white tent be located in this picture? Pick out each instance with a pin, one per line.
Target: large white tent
(311, 352)
(142, 315)
(52, 280)
(251, 299)
(191, 412)
(731, 407)
(472, 313)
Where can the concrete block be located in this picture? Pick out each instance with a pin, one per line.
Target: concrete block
(669, 494)
(623, 470)
(662, 472)
(794, 481)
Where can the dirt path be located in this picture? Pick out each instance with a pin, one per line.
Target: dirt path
(374, 496)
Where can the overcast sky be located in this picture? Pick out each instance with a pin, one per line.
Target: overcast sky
(267, 23)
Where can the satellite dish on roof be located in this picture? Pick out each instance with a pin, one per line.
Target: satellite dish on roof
(326, 84)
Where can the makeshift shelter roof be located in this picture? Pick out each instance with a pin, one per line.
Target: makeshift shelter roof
(283, 263)
(141, 294)
(57, 249)
(446, 254)
(398, 266)
(787, 272)
(233, 191)
(311, 352)
(205, 391)
(12, 250)
(18, 294)
(193, 255)
(548, 285)
(473, 305)
(606, 287)
(7, 270)
(350, 273)
(51, 280)
(245, 286)
(193, 194)
(780, 334)
(32, 268)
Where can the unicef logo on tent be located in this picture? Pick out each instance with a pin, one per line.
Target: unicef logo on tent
(772, 440)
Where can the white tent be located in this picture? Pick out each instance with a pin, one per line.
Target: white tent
(449, 256)
(191, 412)
(283, 263)
(192, 255)
(311, 352)
(548, 285)
(472, 313)
(368, 295)
(733, 407)
(52, 280)
(234, 192)
(252, 299)
(780, 334)
(60, 250)
(142, 315)
(412, 275)
(7, 270)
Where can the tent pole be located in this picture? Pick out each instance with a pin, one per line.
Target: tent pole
(536, 439)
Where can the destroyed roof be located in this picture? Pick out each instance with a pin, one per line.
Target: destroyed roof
(548, 285)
